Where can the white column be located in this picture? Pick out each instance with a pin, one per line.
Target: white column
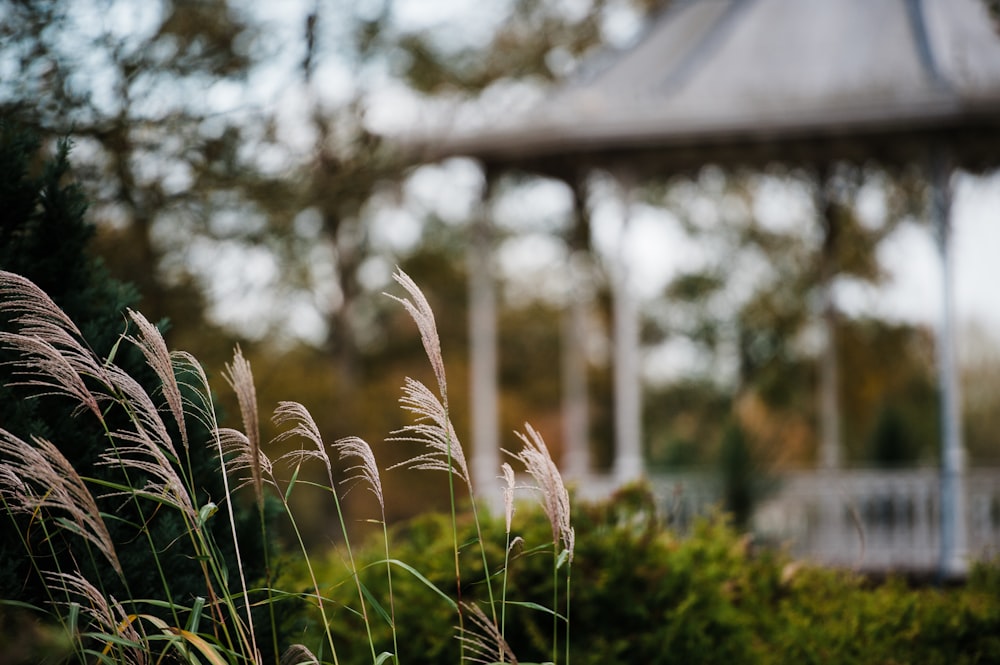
(829, 375)
(575, 397)
(483, 351)
(954, 537)
(628, 463)
(573, 366)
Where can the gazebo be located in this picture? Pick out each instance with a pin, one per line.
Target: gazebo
(747, 83)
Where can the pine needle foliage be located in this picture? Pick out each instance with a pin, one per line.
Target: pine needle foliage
(74, 319)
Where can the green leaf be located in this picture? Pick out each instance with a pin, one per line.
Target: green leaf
(100, 656)
(382, 657)
(195, 617)
(206, 512)
(19, 603)
(534, 606)
(373, 602)
(292, 481)
(430, 585)
(73, 621)
(114, 348)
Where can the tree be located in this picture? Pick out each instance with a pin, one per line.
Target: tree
(133, 92)
(41, 206)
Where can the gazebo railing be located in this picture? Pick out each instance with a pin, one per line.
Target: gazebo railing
(864, 519)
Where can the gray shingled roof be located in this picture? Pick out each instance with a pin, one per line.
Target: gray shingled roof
(750, 81)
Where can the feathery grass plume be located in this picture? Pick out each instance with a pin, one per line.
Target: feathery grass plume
(64, 489)
(483, 641)
(239, 455)
(109, 617)
(366, 470)
(508, 512)
(297, 654)
(239, 459)
(144, 414)
(305, 427)
(49, 344)
(240, 378)
(148, 447)
(154, 348)
(164, 484)
(186, 365)
(555, 499)
(422, 314)
(432, 429)
(508, 494)
(36, 313)
(45, 366)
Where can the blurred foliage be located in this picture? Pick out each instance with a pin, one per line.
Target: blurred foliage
(642, 593)
(753, 309)
(980, 368)
(890, 392)
(198, 165)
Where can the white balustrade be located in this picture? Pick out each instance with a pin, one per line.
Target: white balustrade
(863, 519)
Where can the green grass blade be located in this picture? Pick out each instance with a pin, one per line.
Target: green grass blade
(291, 482)
(430, 585)
(375, 605)
(195, 619)
(536, 607)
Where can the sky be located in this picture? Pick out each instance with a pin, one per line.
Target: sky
(913, 258)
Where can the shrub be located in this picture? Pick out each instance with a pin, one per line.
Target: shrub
(642, 593)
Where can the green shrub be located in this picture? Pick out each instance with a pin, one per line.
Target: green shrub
(644, 594)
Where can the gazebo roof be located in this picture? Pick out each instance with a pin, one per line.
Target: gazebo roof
(753, 81)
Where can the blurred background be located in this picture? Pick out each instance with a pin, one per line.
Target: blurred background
(244, 169)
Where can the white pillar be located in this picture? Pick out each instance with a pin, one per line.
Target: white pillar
(483, 351)
(575, 397)
(829, 454)
(829, 375)
(954, 537)
(573, 366)
(628, 463)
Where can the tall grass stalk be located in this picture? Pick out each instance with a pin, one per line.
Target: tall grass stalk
(305, 427)
(435, 430)
(366, 472)
(537, 461)
(238, 458)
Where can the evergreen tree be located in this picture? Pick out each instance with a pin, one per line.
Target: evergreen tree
(44, 237)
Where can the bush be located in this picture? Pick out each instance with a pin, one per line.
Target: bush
(643, 594)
